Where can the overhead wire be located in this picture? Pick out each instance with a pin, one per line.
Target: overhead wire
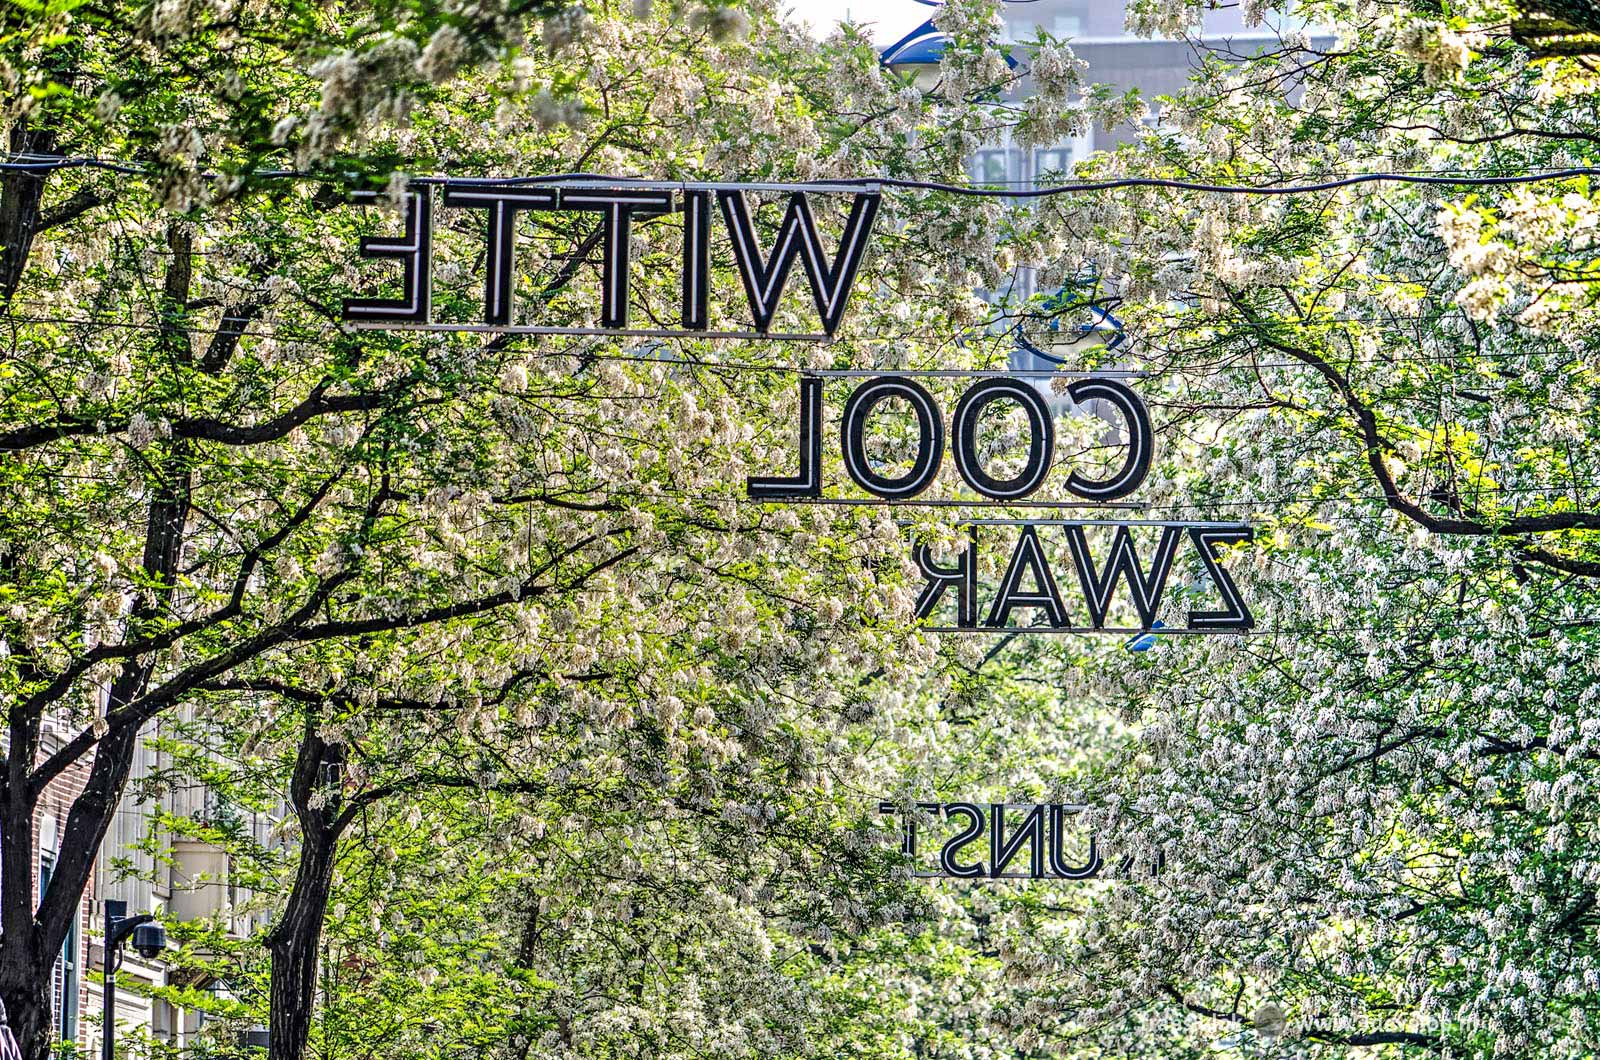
(51, 163)
(1274, 505)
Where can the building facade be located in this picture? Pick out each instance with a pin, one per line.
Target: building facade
(187, 880)
(1098, 36)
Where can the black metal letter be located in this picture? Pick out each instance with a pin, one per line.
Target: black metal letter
(1124, 562)
(502, 205)
(964, 576)
(1041, 438)
(414, 249)
(930, 438)
(1140, 444)
(808, 483)
(1238, 615)
(763, 279)
(1058, 863)
(618, 208)
(973, 832)
(696, 260)
(1002, 850)
(908, 831)
(1029, 555)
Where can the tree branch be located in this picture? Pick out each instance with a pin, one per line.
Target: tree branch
(82, 201)
(1377, 446)
(235, 318)
(293, 630)
(1411, 1038)
(526, 591)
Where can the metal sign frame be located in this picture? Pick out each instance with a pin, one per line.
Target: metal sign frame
(764, 273)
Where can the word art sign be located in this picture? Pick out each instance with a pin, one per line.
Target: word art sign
(1103, 555)
(1029, 583)
(763, 269)
(990, 837)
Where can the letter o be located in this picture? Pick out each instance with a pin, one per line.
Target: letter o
(930, 440)
(1041, 440)
(1140, 446)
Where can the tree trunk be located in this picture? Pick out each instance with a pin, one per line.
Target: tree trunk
(520, 1042)
(295, 944)
(19, 940)
(28, 957)
(31, 936)
(27, 1001)
(20, 196)
(296, 941)
(22, 988)
(24, 972)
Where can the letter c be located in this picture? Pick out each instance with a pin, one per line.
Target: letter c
(1140, 440)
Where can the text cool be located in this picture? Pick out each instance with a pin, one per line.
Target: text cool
(1029, 581)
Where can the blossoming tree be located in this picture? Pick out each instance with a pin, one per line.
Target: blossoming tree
(358, 549)
(1370, 811)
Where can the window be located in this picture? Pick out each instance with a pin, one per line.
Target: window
(1052, 160)
(1026, 27)
(127, 869)
(164, 1021)
(991, 167)
(64, 977)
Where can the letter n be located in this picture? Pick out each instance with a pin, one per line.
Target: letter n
(1002, 849)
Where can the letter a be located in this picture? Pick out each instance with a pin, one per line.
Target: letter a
(1029, 556)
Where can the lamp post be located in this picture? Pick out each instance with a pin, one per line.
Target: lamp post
(149, 938)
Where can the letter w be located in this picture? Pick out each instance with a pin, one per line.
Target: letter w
(1098, 587)
(764, 277)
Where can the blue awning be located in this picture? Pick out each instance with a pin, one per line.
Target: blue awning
(923, 46)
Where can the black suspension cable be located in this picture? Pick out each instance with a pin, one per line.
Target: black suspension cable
(41, 164)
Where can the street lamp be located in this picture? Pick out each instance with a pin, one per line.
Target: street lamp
(149, 938)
